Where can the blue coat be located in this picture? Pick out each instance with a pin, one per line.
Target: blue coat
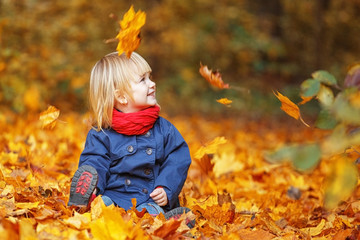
(133, 166)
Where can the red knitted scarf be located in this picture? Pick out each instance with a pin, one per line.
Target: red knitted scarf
(136, 123)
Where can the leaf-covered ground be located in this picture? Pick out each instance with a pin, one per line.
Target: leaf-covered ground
(233, 192)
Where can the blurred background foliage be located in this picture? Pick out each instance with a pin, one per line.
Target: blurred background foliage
(48, 48)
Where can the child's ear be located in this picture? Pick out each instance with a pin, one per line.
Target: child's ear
(120, 98)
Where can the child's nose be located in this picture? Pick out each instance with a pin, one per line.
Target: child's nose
(151, 84)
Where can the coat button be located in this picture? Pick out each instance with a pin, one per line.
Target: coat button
(147, 171)
(145, 190)
(130, 149)
(149, 151)
(147, 134)
(127, 182)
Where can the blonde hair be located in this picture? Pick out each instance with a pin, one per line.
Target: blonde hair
(110, 74)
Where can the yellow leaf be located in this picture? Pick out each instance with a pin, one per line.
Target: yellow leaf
(26, 230)
(129, 35)
(224, 101)
(49, 117)
(112, 226)
(78, 221)
(313, 231)
(210, 148)
(27, 205)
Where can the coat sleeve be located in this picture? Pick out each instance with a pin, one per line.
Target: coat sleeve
(175, 165)
(96, 154)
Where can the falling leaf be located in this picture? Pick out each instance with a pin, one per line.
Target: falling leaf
(129, 35)
(289, 107)
(49, 117)
(213, 77)
(224, 101)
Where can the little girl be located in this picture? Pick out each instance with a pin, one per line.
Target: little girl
(131, 152)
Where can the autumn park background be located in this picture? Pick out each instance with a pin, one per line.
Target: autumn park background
(256, 173)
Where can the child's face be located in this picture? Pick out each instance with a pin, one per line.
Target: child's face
(143, 92)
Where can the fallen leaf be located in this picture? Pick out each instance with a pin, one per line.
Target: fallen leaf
(343, 234)
(48, 118)
(210, 148)
(246, 234)
(129, 35)
(213, 77)
(314, 231)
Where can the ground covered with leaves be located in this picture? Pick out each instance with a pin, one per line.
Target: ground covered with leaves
(232, 191)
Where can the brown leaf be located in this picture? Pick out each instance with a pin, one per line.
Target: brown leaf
(213, 77)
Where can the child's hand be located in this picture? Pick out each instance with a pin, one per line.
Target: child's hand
(159, 196)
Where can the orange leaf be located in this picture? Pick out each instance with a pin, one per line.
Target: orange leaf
(288, 106)
(129, 35)
(213, 77)
(49, 117)
(224, 101)
(305, 100)
(168, 229)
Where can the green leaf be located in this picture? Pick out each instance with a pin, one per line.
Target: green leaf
(303, 157)
(325, 120)
(280, 155)
(307, 157)
(310, 87)
(341, 181)
(325, 96)
(324, 77)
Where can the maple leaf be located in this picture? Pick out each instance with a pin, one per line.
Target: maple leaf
(289, 107)
(129, 35)
(213, 77)
(49, 117)
(224, 101)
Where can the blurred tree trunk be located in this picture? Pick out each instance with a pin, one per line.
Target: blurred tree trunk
(320, 32)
